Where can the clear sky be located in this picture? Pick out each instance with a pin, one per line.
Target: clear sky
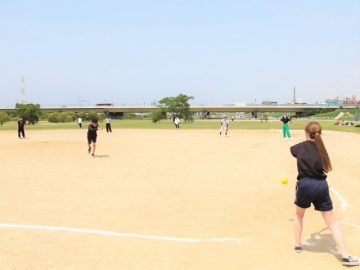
(138, 51)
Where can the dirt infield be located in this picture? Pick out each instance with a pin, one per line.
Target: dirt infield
(156, 199)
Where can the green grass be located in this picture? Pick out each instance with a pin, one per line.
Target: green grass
(198, 124)
(335, 113)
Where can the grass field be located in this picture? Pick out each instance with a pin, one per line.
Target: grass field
(198, 124)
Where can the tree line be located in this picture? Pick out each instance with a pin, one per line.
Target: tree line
(31, 113)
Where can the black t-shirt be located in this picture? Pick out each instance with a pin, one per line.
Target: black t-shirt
(92, 131)
(285, 119)
(21, 124)
(308, 160)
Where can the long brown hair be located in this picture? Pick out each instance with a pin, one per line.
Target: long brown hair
(314, 131)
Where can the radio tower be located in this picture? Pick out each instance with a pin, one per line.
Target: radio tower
(22, 97)
(294, 101)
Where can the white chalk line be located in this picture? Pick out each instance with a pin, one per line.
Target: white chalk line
(344, 204)
(120, 234)
(349, 223)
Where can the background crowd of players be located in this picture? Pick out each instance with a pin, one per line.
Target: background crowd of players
(224, 125)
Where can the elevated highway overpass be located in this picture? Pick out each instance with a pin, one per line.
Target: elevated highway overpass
(221, 109)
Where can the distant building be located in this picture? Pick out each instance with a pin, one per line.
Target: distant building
(334, 101)
(104, 105)
(350, 101)
(342, 101)
(268, 102)
(299, 100)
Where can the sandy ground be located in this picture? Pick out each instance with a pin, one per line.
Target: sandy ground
(167, 183)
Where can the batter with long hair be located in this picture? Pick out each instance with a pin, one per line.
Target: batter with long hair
(313, 163)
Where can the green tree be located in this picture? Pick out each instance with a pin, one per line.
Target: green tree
(4, 117)
(179, 105)
(29, 112)
(157, 115)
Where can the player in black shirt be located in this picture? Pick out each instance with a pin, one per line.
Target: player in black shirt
(313, 163)
(21, 127)
(285, 128)
(92, 136)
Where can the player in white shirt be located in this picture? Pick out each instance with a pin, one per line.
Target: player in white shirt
(108, 124)
(177, 122)
(224, 125)
(80, 120)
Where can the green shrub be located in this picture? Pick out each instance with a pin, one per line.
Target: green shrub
(64, 117)
(52, 118)
(157, 115)
(128, 115)
(60, 117)
(4, 117)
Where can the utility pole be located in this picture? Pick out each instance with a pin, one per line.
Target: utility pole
(23, 94)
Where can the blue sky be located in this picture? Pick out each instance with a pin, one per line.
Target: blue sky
(137, 51)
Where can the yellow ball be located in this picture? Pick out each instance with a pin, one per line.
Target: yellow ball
(284, 180)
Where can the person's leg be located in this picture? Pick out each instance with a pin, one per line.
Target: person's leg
(110, 128)
(298, 225)
(23, 132)
(284, 130)
(93, 148)
(336, 232)
(19, 133)
(89, 145)
(288, 131)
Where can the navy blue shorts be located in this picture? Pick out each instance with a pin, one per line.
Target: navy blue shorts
(91, 139)
(312, 191)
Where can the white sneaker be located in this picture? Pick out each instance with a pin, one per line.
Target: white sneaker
(350, 261)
